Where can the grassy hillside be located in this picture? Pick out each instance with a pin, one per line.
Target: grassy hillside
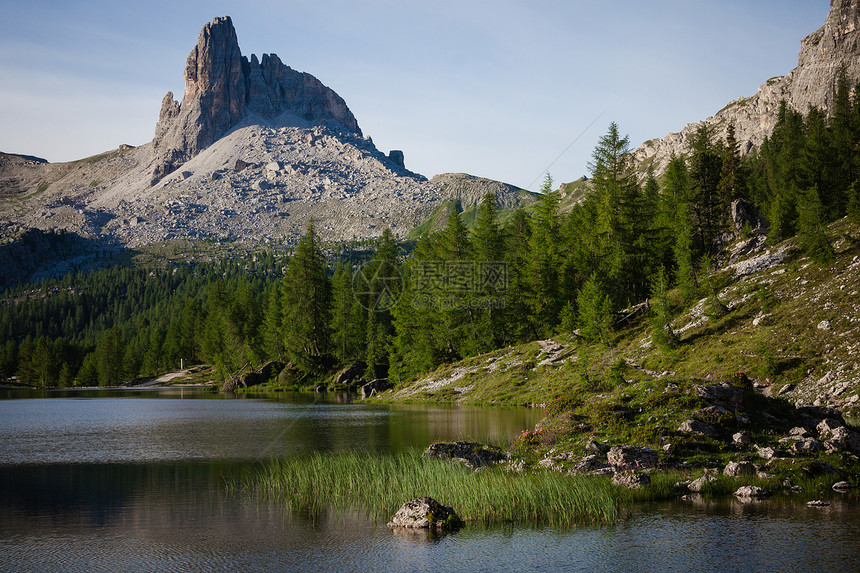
(792, 326)
(786, 346)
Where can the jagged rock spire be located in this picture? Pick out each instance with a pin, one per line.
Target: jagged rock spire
(222, 87)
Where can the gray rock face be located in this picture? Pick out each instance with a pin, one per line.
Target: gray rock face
(425, 513)
(396, 156)
(222, 87)
(811, 83)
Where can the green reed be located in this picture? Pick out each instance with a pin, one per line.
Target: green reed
(381, 483)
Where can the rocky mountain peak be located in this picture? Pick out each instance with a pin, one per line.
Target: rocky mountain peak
(823, 54)
(223, 88)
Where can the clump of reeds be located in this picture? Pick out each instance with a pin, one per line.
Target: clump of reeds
(381, 483)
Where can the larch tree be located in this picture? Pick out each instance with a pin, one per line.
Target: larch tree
(306, 292)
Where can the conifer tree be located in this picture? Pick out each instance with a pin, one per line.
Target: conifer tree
(381, 285)
(853, 209)
(273, 338)
(491, 276)
(306, 302)
(616, 191)
(661, 322)
(545, 262)
(709, 208)
(595, 311)
(732, 184)
(517, 236)
(347, 317)
(812, 229)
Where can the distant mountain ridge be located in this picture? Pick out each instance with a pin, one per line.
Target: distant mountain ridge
(823, 53)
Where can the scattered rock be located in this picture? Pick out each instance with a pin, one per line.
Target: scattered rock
(841, 439)
(827, 426)
(631, 480)
(761, 319)
(842, 486)
(632, 457)
(817, 503)
(799, 432)
(699, 485)
(767, 453)
(806, 446)
(472, 454)
(785, 390)
(597, 447)
(752, 491)
(589, 464)
(698, 428)
(425, 513)
(739, 469)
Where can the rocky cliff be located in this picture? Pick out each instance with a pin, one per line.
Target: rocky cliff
(253, 151)
(222, 87)
(823, 53)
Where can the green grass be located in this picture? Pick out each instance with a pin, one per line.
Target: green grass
(380, 484)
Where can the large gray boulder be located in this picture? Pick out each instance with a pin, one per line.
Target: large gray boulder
(751, 491)
(632, 457)
(739, 469)
(723, 395)
(631, 480)
(425, 513)
(375, 387)
(472, 454)
(699, 485)
(698, 428)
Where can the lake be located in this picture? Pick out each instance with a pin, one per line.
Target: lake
(129, 480)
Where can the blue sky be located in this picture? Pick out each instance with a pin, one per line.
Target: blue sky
(497, 88)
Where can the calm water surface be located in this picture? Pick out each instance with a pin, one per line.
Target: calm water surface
(135, 481)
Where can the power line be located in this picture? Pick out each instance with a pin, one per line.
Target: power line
(567, 148)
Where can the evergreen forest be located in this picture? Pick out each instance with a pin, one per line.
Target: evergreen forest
(407, 308)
